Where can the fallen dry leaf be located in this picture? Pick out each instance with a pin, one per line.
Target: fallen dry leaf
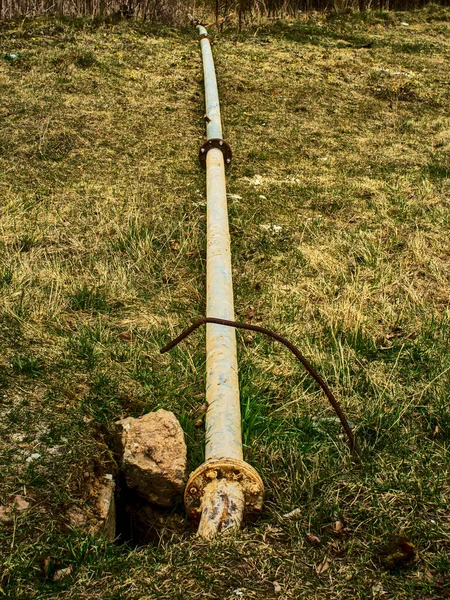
(250, 313)
(125, 336)
(322, 567)
(338, 526)
(4, 514)
(48, 565)
(203, 408)
(337, 549)
(297, 512)
(249, 340)
(396, 333)
(20, 503)
(377, 590)
(276, 587)
(313, 539)
(61, 573)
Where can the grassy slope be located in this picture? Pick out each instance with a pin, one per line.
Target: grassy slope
(345, 149)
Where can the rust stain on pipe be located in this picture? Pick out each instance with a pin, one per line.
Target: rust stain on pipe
(222, 508)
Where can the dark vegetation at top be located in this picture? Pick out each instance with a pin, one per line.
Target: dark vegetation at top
(174, 12)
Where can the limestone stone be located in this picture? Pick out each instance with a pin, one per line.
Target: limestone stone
(98, 516)
(153, 455)
(106, 509)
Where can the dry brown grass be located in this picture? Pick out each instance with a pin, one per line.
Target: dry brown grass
(102, 230)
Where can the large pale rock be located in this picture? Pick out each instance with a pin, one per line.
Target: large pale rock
(153, 453)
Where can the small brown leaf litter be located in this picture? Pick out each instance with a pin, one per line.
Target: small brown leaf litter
(62, 573)
(48, 566)
(20, 503)
(398, 553)
(201, 414)
(312, 539)
(337, 549)
(51, 571)
(125, 336)
(323, 566)
(337, 528)
(203, 408)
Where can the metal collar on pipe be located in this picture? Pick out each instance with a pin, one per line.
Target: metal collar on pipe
(220, 145)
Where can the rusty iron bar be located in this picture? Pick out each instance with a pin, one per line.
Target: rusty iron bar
(276, 336)
(225, 487)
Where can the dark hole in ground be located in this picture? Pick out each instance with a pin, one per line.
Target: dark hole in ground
(139, 523)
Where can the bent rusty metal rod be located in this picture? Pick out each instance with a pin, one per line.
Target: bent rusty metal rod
(276, 336)
(225, 487)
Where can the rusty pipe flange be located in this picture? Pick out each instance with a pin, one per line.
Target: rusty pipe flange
(204, 36)
(224, 468)
(215, 143)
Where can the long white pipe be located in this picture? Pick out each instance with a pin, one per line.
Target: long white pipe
(221, 489)
(223, 418)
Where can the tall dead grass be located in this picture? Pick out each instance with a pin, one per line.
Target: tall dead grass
(173, 12)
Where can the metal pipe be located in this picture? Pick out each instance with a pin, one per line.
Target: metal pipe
(212, 105)
(221, 490)
(223, 418)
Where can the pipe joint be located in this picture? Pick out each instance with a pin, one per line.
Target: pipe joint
(220, 145)
(237, 473)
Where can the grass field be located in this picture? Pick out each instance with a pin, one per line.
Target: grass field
(339, 201)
